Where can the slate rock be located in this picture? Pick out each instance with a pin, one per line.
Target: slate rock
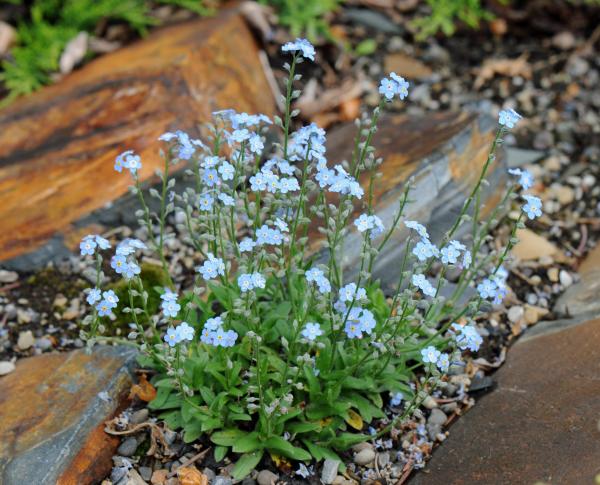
(329, 471)
(52, 417)
(540, 424)
(53, 140)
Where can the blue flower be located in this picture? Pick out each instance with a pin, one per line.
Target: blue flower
(255, 144)
(211, 177)
(227, 200)
(214, 323)
(325, 177)
(396, 399)
(240, 135)
(402, 89)
(467, 337)
(212, 268)
(353, 329)
(131, 270)
(300, 45)
(313, 274)
(350, 292)
(128, 160)
(101, 242)
(487, 288)
(397, 85)
(205, 202)
(93, 296)
(364, 223)
(282, 225)
(425, 250)
(525, 178)
(111, 298)
(170, 308)
(423, 284)
(206, 336)
(467, 259)
(172, 337)
(104, 308)
(245, 282)
(129, 246)
(367, 321)
(311, 331)
(258, 280)
(443, 362)
(88, 246)
(230, 338)
(185, 331)
(258, 182)
(419, 228)
(451, 252)
(533, 207)
(247, 244)
(119, 263)
(288, 184)
(227, 171)
(187, 146)
(430, 355)
(509, 118)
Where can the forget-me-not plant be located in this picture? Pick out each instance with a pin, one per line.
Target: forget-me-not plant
(273, 349)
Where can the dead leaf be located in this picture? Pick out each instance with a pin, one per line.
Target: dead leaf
(281, 462)
(159, 477)
(498, 26)
(190, 475)
(503, 67)
(350, 110)
(406, 66)
(8, 35)
(259, 17)
(143, 390)
(74, 52)
(532, 246)
(354, 419)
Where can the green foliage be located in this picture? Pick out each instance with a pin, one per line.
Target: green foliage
(305, 17)
(446, 13)
(51, 24)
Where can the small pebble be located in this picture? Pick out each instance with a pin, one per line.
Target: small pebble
(26, 340)
(437, 416)
(6, 367)
(515, 314)
(329, 471)
(221, 480)
(139, 416)
(8, 276)
(565, 278)
(266, 477)
(128, 447)
(430, 403)
(364, 457)
(145, 472)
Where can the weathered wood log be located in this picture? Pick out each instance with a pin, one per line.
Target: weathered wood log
(57, 146)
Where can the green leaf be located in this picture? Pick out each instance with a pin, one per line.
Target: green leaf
(321, 453)
(366, 47)
(345, 440)
(246, 464)
(302, 427)
(227, 437)
(220, 452)
(192, 431)
(248, 444)
(286, 448)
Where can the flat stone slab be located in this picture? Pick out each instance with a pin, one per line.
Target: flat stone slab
(539, 425)
(52, 414)
(57, 146)
(583, 298)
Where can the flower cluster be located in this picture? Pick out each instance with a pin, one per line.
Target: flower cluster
(90, 243)
(169, 304)
(251, 281)
(509, 118)
(370, 223)
(393, 86)
(316, 275)
(212, 268)
(213, 334)
(180, 333)
(430, 355)
(128, 160)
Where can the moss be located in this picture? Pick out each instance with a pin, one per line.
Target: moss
(51, 282)
(152, 276)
